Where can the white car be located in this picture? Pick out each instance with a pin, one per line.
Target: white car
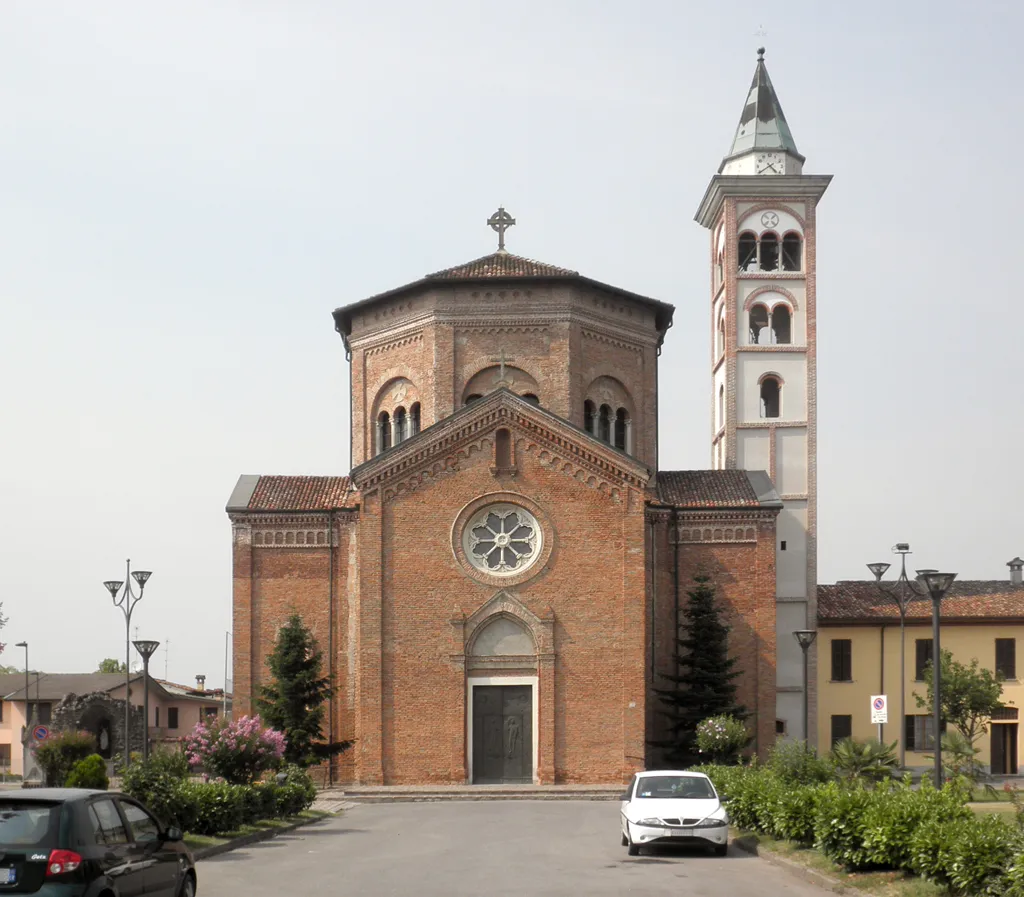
(668, 806)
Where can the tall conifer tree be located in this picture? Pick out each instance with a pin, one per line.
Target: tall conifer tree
(294, 701)
(704, 685)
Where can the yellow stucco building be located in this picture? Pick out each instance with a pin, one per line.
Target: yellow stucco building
(859, 657)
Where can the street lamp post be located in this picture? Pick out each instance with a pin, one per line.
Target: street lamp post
(126, 604)
(937, 585)
(147, 648)
(806, 638)
(901, 594)
(34, 709)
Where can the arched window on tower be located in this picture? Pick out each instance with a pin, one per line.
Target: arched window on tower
(791, 252)
(771, 397)
(590, 417)
(604, 424)
(414, 419)
(470, 399)
(503, 449)
(531, 398)
(747, 251)
(398, 426)
(759, 331)
(721, 407)
(383, 432)
(781, 325)
(623, 434)
(721, 336)
(769, 252)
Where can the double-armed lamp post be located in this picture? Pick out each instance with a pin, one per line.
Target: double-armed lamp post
(932, 584)
(125, 600)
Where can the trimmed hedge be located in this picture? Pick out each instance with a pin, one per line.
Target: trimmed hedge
(213, 808)
(924, 831)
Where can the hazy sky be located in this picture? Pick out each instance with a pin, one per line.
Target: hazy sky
(190, 188)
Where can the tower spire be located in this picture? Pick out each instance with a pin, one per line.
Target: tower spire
(763, 127)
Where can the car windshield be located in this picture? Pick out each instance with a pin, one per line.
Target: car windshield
(28, 823)
(662, 787)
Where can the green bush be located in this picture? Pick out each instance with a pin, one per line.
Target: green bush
(58, 753)
(794, 811)
(89, 773)
(299, 778)
(895, 814)
(931, 847)
(155, 782)
(869, 760)
(839, 825)
(724, 778)
(980, 856)
(212, 808)
(797, 764)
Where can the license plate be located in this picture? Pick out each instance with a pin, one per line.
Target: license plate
(8, 875)
(682, 832)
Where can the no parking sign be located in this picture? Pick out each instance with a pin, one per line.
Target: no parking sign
(40, 732)
(879, 709)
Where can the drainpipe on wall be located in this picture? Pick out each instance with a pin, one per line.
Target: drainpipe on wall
(675, 580)
(654, 593)
(881, 676)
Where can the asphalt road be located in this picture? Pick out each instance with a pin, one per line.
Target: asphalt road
(483, 849)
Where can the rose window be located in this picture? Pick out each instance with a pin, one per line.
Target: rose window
(502, 539)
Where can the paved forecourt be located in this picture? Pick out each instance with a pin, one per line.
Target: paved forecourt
(510, 848)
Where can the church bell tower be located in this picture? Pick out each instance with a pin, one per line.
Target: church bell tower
(761, 210)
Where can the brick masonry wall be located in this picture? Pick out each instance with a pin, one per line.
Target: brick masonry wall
(592, 582)
(744, 577)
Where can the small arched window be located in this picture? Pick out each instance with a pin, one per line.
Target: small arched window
(414, 419)
(721, 407)
(747, 251)
(470, 399)
(791, 252)
(758, 325)
(383, 432)
(590, 417)
(531, 398)
(604, 424)
(721, 336)
(769, 252)
(781, 325)
(771, 397)
(622, 430)
(399, 424)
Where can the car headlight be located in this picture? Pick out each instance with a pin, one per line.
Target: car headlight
(650, 820)
(712, 822)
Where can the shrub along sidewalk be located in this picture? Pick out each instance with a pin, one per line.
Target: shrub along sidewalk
(206, 846)
(875, 824)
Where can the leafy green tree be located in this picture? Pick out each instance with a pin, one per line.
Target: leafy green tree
(294, 701)
(110, 665)
(704, 685)
(970, 695)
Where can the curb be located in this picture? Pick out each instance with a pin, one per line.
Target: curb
(204, 853)
(748, 844)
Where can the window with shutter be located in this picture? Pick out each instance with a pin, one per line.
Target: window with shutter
(923, 657)
(1006, 658)
(842, 727)
(842, 660)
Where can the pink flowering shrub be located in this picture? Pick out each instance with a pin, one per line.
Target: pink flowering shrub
(722, 738)
(239, 750)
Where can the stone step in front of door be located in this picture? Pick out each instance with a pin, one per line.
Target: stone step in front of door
(376, 794)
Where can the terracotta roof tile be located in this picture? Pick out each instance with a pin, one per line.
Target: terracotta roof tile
(501, 264)
(979, 599)
(706, 489)
(301, 494)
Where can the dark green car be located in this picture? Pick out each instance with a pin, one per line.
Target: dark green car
(78, 843)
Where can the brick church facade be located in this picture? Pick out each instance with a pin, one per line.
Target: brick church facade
(497, 582)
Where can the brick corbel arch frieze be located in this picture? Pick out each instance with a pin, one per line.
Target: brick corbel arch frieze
(751, 300)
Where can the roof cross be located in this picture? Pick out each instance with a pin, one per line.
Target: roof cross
(501, 221)
(502, 379)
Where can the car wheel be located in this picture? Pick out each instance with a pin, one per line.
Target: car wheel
(721, 850)
(188, 887)
(625, 841)
(633, 850)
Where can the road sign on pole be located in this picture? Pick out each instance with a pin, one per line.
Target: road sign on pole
(39, 733)
(879, 709)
